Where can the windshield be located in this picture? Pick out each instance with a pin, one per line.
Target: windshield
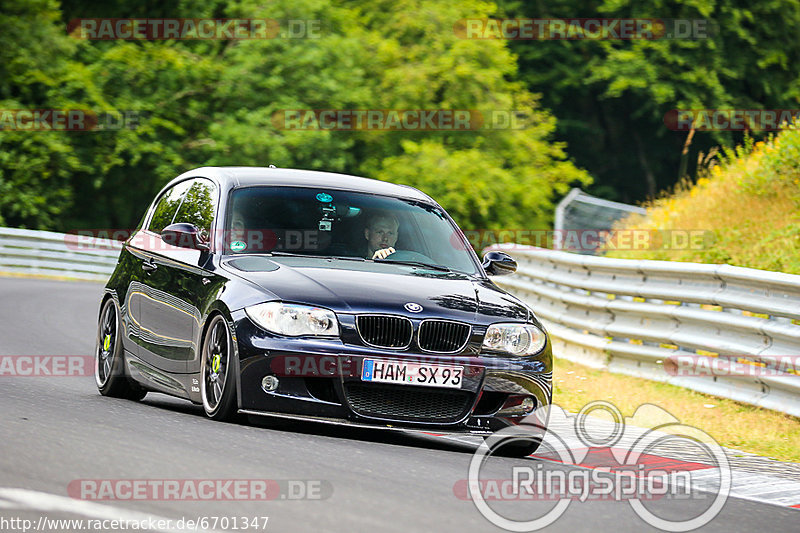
(357, 226)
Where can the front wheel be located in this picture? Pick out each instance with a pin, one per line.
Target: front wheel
(516, 447)
(218, 384)
(110, 376)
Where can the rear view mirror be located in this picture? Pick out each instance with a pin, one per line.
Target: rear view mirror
(498, 264)
(184, 235)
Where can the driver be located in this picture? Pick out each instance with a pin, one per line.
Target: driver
(381, 235)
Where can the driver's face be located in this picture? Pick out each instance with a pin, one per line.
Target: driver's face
(382, 234)
(237, 229)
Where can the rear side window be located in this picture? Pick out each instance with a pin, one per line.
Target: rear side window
(197, 206)
(168, 206)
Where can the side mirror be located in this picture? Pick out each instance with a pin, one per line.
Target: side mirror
(185, 235)
(499, 264)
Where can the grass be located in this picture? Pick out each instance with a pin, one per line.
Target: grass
(731, 424)
(747, 205)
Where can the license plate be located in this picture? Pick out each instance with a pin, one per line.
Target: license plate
(407, 373)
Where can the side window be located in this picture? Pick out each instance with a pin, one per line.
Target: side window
(168, 206)
(198, 205)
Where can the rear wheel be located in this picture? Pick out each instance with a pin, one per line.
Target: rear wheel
(110, 376)
(218, 384)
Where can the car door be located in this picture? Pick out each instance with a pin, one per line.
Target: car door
(176, 283)
(141, 250)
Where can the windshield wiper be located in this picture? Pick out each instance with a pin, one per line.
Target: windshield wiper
(290, 254)
(415, 263)
(338, 257)
(431, 266)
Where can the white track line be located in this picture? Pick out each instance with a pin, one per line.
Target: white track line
(45, 502)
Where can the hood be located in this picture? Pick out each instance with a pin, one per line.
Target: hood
(367, 287)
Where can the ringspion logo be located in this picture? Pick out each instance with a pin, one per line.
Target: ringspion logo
(599, 462)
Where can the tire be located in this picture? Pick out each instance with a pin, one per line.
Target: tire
(218, 382)
(516, 447)
(110, 375)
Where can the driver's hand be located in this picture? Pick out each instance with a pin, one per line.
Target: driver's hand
(384, 253)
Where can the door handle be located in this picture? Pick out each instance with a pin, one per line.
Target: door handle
(149, 266)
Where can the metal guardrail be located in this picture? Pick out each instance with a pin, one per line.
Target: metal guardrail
(57, 254)
(629, 316)
(646, 318)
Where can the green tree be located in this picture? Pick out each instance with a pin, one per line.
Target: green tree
(215, 103)
(488, 178)
(35, 166)
(611, 96)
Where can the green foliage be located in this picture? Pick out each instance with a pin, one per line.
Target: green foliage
(611, 96)
(487, 178)
(214, 102)
(782, 165)
(747, 206)
(35, 168)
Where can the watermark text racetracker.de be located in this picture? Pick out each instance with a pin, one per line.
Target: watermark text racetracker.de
(266, 239)
(199, 489)
(46, 365)
(152, 523)
(692, 365)
(730, 119)
(646, 461)
(630, 239)
(150, 29)
(239, 239)
(73, 120)
(602, 29)
(400, 119)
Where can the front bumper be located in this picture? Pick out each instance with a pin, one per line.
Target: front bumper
(320, 380)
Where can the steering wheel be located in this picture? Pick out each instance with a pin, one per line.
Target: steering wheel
(407, 255)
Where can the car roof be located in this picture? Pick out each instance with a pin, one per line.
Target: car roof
(233, 177)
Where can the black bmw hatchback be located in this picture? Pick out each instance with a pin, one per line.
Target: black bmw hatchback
(318, 296)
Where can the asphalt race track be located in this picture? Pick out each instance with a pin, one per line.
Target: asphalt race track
(56, 430)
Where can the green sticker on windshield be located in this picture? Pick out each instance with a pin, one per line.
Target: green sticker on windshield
(324, 197)
(238, 246)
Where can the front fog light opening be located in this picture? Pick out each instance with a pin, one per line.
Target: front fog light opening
(518, 406)
(270, 383)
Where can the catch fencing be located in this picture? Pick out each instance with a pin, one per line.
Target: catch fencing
(581, 211)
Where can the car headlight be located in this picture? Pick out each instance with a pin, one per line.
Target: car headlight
(294, 320)
(516, 339)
